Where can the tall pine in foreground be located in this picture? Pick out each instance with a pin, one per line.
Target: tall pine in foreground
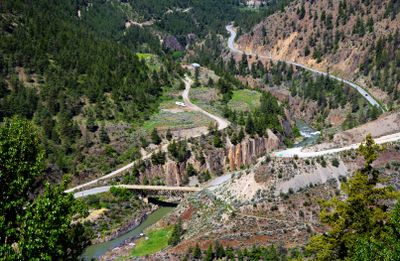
(362, 227)
(32, 226)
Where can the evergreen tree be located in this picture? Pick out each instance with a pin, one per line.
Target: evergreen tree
(250, 125)
(91, 124)
(219, 250)
(209, 254)
(217, 141)
(176, 233)
(362, 215)
(197, 252)
(104, 138)
(169, 135)
(155, 138)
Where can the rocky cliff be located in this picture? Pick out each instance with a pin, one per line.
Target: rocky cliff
(217, 161)
(247, 152)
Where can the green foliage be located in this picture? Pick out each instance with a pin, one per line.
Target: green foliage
(359, 220)
(335, 162)
(205, 176)
(196, 252)
(33, 227)
(217, 140)
(121, 193)
(158, 158)
(84, 67)
(169, 135)
(179, 151)
(176, 234)
(190, 170)
(270, 253)
(104, 138)
(155, 138)
(201, 16)
(385, 248)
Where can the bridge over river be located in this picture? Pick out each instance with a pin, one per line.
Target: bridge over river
(139, 188)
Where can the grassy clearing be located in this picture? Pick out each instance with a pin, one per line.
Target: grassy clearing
(173, 117)
(245, 100)
(181, 120)
(207, 99)
(158, 240)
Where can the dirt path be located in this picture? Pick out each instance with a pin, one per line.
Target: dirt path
(222, 124)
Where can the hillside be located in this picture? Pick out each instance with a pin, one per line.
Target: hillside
(80, 86)
(199, 130)
(358, 40)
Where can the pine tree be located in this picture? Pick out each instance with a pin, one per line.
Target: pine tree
(104, 138)
(176, 233)
(363, 214)
(219, 250)
(209, 254)
(197, 252)
(217, 140)
(250, 125)
(155, 138)
(169, 135)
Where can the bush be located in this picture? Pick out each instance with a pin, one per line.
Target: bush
(335, 162)
(205, 176)
(121, 193)
(190, 170)
(274, 208)
(323, 163)
(158, 158)
(179, 151)
(176, 233)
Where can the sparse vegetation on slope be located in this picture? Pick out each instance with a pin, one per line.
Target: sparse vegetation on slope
(359, 40)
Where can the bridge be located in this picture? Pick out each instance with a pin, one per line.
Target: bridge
(139, 188)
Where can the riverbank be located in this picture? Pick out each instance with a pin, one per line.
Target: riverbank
(122, 244)
(127, 226)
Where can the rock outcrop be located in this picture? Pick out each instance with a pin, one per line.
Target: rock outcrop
(217, 161)
(171, 43)
(171, 173)
(247, 152)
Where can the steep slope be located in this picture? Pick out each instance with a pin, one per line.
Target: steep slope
(358, 40)
(79, 85)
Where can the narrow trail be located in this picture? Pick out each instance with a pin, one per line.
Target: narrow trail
(365, 94)
(222, 124)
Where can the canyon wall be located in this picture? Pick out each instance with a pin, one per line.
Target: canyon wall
(217, 161)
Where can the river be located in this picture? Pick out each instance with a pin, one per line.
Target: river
(310, 136)
(97, 250)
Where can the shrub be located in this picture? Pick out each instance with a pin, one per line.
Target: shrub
(335, 162)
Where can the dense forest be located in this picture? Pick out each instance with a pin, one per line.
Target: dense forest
(201, 17)
(68, 75)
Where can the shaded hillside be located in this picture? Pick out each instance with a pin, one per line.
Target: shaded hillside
(359, 40)
(76, 82)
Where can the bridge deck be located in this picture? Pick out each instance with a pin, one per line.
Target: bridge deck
(135, 187)
(166, 188)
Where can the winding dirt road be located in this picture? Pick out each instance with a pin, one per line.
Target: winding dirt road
(222, 124)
